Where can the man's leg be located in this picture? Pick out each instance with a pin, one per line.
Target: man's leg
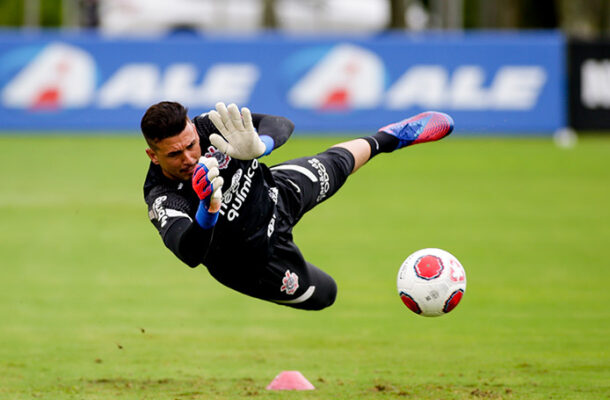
(285, 278)
(360, 149)
(294, 282)
(424, 127)
(305, 182)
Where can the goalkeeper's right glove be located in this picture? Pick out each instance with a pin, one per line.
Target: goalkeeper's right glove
(208, 185)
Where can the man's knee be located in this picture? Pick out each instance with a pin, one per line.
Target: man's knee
(324, 296)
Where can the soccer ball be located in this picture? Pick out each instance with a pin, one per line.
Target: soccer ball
(431, 282)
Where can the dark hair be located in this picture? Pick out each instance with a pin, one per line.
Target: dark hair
(163, 120)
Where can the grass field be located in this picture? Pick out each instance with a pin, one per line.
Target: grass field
(92, 305)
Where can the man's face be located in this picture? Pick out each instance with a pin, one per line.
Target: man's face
(177, 155)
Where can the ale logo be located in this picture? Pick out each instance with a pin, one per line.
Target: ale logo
(345, 77)
(59, 76)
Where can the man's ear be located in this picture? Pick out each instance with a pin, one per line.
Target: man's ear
(153, 157)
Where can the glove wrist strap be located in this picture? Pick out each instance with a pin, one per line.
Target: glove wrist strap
(269, 144)
(204, 218)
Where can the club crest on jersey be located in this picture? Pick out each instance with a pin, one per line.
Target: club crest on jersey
(290, 283)
(428, 267)
(222, 158)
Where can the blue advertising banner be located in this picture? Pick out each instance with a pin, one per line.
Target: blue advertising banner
(489, 82)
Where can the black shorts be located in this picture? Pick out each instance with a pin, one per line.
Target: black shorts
(302, 184)
(288, 278)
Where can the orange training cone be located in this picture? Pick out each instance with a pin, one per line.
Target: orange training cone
(290, 380)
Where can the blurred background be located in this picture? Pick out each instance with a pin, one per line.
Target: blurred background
(588, 19)
(510, 66)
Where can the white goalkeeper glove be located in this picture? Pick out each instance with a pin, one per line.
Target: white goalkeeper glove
(239, 138)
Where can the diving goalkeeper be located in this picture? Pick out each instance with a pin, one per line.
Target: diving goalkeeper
(214, 202)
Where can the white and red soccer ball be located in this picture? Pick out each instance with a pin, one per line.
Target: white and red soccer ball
(431, 282)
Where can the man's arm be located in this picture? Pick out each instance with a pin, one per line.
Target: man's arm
(168, 212)
(188, 241)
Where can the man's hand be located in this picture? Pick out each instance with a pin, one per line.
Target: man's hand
(207, 184)
(239, 138)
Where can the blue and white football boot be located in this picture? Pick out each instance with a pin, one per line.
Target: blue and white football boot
(425, 127)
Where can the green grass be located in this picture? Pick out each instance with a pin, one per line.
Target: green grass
(92, 305)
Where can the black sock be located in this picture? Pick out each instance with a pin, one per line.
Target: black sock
(381, 142)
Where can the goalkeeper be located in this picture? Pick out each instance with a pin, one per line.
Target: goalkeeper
(215, 203)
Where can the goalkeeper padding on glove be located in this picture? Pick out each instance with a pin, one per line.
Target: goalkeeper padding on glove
(208, 185)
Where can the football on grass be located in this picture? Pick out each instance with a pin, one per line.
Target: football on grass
(431, 282)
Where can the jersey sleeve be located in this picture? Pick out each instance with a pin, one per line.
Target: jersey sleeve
(278, 128)
(169, 213)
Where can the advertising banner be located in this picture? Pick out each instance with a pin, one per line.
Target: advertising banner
(489, 82)
(589, 66)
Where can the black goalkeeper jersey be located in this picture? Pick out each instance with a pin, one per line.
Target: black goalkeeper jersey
(244, 232)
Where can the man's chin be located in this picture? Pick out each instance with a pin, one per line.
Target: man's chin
(180, 176)
(187, 174)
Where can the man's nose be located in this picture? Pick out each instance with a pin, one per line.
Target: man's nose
(190, 158)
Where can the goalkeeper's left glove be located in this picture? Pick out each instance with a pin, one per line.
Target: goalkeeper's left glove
(208, 186)
(239, 137)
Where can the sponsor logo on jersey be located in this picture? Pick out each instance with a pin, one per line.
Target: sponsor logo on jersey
(428, 267)
(160, 213)
(271, 226)
(157, 211)
(273, 192)
(235, 179)
(324, 179)
(222, 158)
(290, 283)
(234, 198)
